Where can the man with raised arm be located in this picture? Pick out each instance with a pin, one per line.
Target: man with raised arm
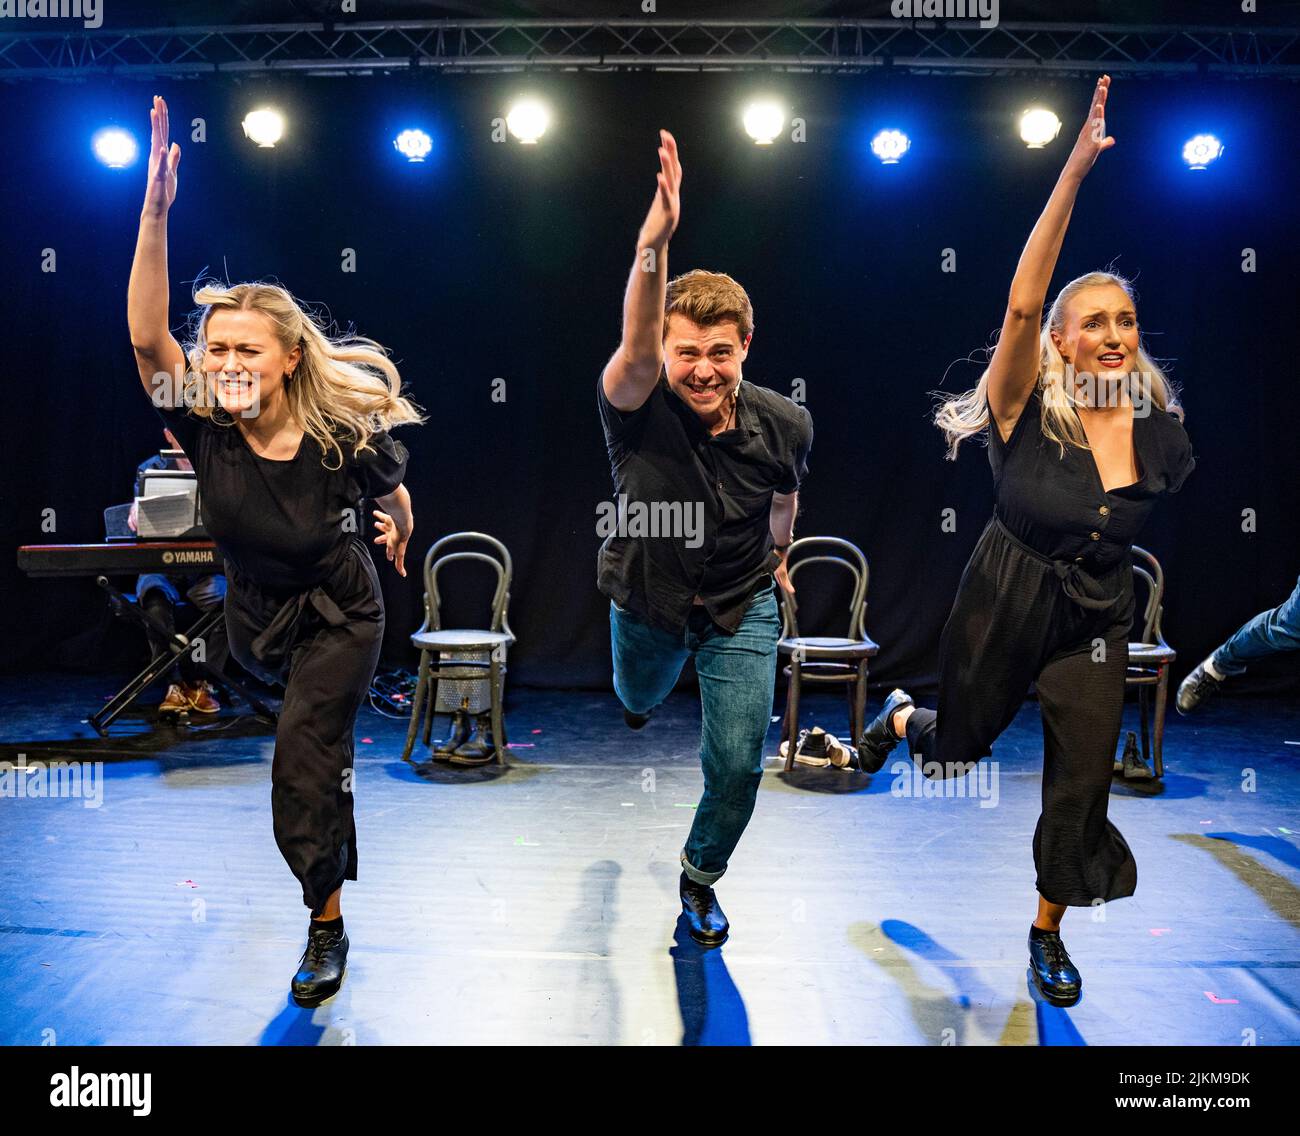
(689, 440)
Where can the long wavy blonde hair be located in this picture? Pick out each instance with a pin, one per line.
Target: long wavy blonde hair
(965, 415)
(344, 384)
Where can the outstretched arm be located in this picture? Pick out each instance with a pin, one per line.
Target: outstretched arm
(633, 370)
(1014, 366)
(156, 350)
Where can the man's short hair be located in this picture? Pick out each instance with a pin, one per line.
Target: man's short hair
(706, 298)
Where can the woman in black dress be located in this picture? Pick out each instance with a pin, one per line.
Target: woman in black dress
(287, 430)
(1084, 434)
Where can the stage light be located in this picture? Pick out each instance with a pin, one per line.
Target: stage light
(763, 121)
(115, 147)
(264, 126)
(528, 120)
(414, 144)
(1200, 151)
(1038, 127)
(890, 145)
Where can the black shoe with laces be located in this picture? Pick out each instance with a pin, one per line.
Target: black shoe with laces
(878, 739)
(708, 925)
(812, 748)
(1057, 978)
(1196, 688)
(321, 968)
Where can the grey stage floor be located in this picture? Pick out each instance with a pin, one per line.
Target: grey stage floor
(539, 905)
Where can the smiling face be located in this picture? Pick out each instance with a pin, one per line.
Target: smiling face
(244, 361)
(1099, 335)
(703, 364)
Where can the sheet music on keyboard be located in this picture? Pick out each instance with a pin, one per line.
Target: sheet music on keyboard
(169, 506)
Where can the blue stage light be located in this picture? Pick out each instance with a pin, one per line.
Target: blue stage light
(890, 145)
(1200, 151)
(115, 147)
(416, 145)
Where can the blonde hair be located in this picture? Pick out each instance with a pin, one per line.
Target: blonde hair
(344, 384)
(706, 298)
(964, 415)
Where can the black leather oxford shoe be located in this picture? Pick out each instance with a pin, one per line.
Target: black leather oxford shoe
(321, 968)
(634, 721)
(878, 739)
(1196, 688)
(1056, 977)
(708, 925)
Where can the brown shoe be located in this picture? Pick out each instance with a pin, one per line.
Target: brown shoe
(175, 702)
(201, 699)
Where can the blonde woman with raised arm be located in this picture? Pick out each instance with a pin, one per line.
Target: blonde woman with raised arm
(287, 429)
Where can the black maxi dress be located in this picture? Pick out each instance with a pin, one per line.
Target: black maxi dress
(303, 607)
(1047, 598)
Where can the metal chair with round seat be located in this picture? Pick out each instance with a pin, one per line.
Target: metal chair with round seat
(826, 660)
(1149, 660)
(433, 641)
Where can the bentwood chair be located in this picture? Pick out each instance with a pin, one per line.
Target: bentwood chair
(1149, 660)
(826, 660)
(471, 655)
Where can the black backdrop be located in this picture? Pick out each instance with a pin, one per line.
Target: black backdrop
(500, 261)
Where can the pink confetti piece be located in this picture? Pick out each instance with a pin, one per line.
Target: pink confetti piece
(368, 741)
(534, 731)
(186, 883)
(1220, 1001)
(1159, 931)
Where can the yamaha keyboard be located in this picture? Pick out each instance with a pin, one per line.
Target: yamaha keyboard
(133, 558)
(122, 558)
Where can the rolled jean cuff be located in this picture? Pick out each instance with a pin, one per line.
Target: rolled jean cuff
(1225, 664)
(694, 873)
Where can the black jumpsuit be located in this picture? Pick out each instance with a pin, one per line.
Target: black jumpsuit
(303, 607)
(1047, 598)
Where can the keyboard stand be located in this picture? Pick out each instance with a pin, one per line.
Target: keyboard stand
(177, 645)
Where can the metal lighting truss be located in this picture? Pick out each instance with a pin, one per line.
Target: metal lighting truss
(820, 46)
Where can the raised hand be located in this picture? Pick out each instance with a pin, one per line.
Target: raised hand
(665, 210)
(1093, 138)
(164, 159)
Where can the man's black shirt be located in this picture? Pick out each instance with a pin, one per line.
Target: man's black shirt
(666, 464)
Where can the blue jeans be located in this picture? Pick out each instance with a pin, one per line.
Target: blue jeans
(737, 676)
(1268, 633)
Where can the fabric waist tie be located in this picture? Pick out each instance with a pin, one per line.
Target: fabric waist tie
(1082, 588)
(277, 632)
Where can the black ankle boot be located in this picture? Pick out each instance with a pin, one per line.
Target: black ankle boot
(1056, 977)
(708, 925)
(634, 721)
(479, 749)
(459, 734)
(878, 739)
(321, 968)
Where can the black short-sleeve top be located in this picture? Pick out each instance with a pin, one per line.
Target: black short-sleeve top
(719, 487)
(283, 525)
(1055, 503)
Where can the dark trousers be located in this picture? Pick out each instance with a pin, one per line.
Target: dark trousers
(160, 596)
(323, 644)
(1014, 623)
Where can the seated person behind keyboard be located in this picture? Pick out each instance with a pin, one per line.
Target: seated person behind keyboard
(158, 595)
